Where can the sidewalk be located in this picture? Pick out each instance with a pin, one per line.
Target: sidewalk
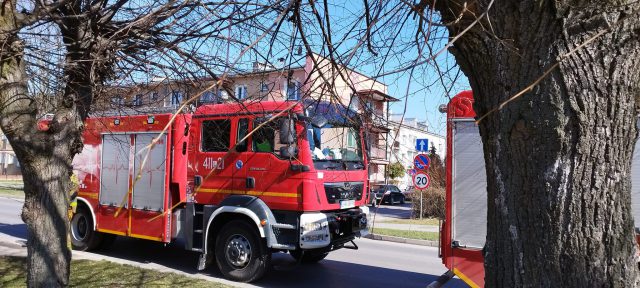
(381, 222)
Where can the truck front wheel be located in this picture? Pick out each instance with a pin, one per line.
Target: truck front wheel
(83, 237)
(240, 253)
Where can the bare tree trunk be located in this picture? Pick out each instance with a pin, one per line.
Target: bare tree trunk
(45, 212)
(45, 157)
(45, 161)
(45, 178)
(560, 217)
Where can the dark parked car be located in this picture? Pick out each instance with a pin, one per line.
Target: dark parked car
(386, 194)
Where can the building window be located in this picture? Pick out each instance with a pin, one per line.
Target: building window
(137, 100)
(176, 99)
(241, 92)
(117, 101)
(264, 87)
(368, 106)
(293, 90)
(355, 103)
(154, 97)
(216, 135)
(351, 138)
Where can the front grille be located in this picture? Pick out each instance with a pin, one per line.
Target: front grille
(343, 191)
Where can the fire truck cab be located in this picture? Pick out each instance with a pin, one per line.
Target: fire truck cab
(234, 182)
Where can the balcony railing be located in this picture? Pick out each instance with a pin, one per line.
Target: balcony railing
(378, 153)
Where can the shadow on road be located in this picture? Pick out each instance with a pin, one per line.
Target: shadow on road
(15, 230)
(328, 273)
(393, 211)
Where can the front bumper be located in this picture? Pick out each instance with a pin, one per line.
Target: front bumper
(331, 230)
(347, 224)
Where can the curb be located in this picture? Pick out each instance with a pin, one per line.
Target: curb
(17, 199)
(402, 240)
(12, 245)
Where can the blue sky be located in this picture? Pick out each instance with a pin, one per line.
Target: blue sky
(420, 90)
(393, 42)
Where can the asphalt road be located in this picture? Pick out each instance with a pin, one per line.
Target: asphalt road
(375, 264)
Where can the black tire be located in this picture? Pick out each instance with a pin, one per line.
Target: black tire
(241, 255)
(83, 237)
(402, 199)
(310, 256)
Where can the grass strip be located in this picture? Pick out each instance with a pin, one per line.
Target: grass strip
(87, 273)
(12, 193)
(425, 221)
(420, 235)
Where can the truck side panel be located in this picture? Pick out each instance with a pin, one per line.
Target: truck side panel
(464, 230)
(114, 150)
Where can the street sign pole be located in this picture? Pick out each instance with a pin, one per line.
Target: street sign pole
(421, 193)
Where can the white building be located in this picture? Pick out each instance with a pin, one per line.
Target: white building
(403, 139)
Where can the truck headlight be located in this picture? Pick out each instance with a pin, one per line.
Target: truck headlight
(313, 226)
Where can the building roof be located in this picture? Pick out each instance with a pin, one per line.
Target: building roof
(377, 95)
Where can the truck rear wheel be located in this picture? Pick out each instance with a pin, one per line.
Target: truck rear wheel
(310, 256)
(240, 253)
(83, 237)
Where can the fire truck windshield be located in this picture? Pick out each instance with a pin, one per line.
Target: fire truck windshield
(333, 132)
(335, 147)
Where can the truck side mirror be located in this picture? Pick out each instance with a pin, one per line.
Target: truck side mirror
(287, 131)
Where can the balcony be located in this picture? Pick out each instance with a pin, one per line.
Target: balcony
(378, 155)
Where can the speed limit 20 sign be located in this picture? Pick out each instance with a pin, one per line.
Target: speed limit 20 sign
(421, 180)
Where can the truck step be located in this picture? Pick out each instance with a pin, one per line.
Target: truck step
(197, 249)
(283, 226)
(197, 231)
(283, 246)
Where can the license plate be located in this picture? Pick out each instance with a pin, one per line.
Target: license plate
(344, 204)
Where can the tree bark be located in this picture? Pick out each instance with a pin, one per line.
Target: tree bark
(45, 156)
(45, 169)
(561, 216)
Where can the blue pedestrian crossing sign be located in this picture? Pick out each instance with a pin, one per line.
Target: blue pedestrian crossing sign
(422, 145)
(421, 162)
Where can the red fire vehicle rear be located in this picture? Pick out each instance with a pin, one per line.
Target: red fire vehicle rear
(463, 233)
(295, 184)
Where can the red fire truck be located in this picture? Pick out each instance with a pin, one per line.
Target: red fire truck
(234, 182)
(464, 231)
